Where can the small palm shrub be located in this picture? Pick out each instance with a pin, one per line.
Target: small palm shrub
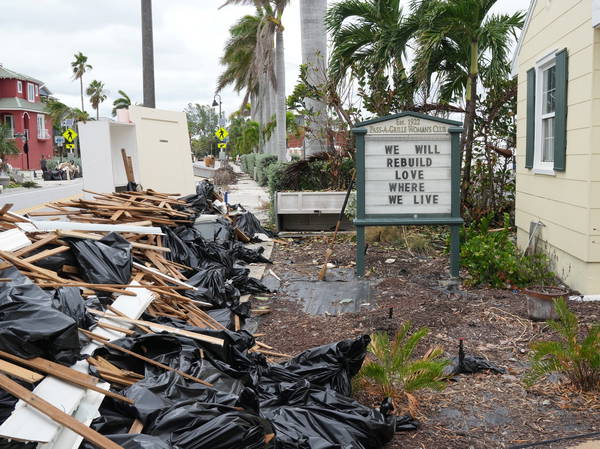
(574, 355)
(396, 371)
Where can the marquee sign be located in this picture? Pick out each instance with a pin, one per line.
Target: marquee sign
(408, 174)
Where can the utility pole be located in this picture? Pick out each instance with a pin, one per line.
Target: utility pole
(148, 54)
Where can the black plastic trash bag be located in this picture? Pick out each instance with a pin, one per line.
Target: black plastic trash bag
(249, 255)
(181, 252)
(331, 365)
(31, 330)
(56, 261)
(250, 225)
(104, 261)
(308, 417)
(198, 425)
(470, 364)
(133, 441)
(21, 289)
(70, 302)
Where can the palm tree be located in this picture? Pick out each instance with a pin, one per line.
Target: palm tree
(314, 57)
(80, 66)
(97, 95)
(461, 43)
(56, 111)
(8, 147)
(78, 115)
(122, 102)
(370, 39)
(268, 63)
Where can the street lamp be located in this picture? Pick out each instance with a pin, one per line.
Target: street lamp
(215, 104)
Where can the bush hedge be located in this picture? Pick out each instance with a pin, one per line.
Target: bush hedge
(263, 161)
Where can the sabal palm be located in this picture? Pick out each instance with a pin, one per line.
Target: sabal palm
(268, 65)
(460, 44)
(97, 95)
(370, 39)
(80, 66)
(122, 102)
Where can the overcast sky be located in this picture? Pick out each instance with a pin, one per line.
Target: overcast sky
(39, 38)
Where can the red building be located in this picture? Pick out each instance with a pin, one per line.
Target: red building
(22, 110)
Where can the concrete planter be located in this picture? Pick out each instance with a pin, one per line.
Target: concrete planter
(309, 211)
(4, 180)
(540, 302)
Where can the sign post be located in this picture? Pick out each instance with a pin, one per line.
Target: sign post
(408, 168)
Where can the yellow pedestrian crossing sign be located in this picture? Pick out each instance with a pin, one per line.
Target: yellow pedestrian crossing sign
(69, 135)
(222, 145)
(221, 133)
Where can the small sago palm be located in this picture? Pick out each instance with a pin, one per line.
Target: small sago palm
(575, 356)
(396, 371)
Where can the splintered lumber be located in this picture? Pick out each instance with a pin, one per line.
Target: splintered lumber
(162, 327)
(86, 235)
(136, 427)
(65, 373)
(19, 372)
(108, 344)
(55, 414)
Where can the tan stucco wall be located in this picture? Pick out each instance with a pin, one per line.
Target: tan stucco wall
(568, 203)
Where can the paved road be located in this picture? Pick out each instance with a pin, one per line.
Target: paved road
(24, 199)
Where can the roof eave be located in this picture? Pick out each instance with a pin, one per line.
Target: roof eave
(514, 68)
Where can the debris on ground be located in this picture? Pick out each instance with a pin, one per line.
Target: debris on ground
(127, 312)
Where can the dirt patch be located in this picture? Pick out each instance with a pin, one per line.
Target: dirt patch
(476, 411)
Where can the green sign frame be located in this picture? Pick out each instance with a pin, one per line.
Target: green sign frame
(453, 219)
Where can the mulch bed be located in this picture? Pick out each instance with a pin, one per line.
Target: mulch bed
(475, 411)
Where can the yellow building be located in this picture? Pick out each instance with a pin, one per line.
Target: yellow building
(557, 62)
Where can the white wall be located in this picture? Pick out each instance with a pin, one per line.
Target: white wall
(164, 153)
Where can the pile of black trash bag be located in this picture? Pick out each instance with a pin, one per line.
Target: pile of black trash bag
(301, 404)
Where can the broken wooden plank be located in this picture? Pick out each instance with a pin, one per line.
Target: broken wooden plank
(19, 372)
(162, 327)
(56, 414)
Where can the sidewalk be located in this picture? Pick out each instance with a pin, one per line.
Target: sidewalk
(250, 195)
(24, 198)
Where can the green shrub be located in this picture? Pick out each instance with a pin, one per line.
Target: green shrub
(250, 161)
(396, 371)
(492, 258)
(263, 161)
(575, 356)
(275, 176)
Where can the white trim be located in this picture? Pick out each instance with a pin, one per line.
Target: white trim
(19, 86)
(515, 62)
(544, 171)
(31, 98)
(544, 63)
(41, 130)
(37, 91)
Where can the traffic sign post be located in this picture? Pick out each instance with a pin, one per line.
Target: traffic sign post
(70, 135)
(408, 173)
(221, 133)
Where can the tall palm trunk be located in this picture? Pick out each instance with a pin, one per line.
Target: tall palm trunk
(148, 54)
(467, 137)
(81, 90)
(280, 131)
(314, 56)
(98, 112)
